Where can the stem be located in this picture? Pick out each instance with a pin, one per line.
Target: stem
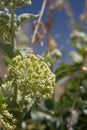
(23, 98)
(15, 92)
(86, 8)
(69, 13)
(39, 21)
(76, 92)
(50, 18)
(12, 28)
(61, 121)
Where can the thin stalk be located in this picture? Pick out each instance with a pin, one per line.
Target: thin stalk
(15, 92)
(12, 28)
(69, 13)
(39, 21)
(86, 4)
(23, 98)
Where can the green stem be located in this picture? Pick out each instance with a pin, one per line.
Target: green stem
(23, 98)
(15, 92)
(12, 28)
(61, 121)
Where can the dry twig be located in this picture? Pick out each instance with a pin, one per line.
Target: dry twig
(69, 13)
(38, 22)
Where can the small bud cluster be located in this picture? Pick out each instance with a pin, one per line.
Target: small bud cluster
(58, 4)
(33, 76)
(14, 3)
(7, 120)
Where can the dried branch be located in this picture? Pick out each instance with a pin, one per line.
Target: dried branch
(69, 13)
(38, 22)
(86, 4)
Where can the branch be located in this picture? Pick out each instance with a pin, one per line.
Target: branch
(69, 13)
(86, 4)
(39, 21)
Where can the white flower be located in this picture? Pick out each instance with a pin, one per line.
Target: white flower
(78, 34)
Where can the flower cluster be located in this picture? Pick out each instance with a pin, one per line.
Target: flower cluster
(32, 76)
(7, 120)
(14, 3)
(5, 21)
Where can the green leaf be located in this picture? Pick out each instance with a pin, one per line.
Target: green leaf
(49, 104)
(24, 17)
(6, 49)
(0, 81)
(1, 99)
(65, 70)
(7, 60)
(8, 53)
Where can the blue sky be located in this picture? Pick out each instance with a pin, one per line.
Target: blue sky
(61, 25)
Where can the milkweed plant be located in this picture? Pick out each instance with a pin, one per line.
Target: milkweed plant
(30, 78)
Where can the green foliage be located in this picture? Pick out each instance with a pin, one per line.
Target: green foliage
(10, 23)
(65, 70)
(5, 21)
